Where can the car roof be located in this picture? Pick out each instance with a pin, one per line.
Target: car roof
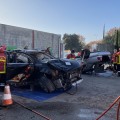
(32, 51)
(27, 51)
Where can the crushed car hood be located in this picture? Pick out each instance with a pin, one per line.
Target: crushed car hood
(64, 65)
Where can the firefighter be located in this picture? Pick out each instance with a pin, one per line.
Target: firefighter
(71, 55)
(118, 62)
(2, 65)
(85, 53)
(114, 60)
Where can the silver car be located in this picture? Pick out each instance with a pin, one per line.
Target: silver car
(95, 62)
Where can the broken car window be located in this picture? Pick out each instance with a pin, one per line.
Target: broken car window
(43, 57)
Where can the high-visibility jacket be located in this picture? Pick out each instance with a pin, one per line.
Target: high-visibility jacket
(2, 60)
(118, 57)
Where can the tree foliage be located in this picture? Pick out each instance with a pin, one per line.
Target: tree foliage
(109, 43)
(111, 38)
(73, 41)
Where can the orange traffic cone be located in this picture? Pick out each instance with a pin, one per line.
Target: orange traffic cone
(7, 99)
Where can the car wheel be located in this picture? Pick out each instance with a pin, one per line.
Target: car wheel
(46, 84)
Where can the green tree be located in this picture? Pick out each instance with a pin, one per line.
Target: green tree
(111, 39)
(73, 41)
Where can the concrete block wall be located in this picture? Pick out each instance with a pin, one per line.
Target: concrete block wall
(43, 40)
(15, 36)
(20, 37)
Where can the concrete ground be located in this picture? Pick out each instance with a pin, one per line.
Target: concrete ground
(94, 95)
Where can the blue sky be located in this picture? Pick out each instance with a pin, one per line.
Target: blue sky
(84, 17)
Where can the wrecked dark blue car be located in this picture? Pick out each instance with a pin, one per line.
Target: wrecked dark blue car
(36, 68)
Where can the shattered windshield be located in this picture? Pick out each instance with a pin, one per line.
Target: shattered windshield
(43, 57)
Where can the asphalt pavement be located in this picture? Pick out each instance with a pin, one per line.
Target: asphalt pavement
(90, 98)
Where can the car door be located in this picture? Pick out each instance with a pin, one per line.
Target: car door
(16, 63)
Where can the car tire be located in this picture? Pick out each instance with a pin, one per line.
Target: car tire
(46, 84)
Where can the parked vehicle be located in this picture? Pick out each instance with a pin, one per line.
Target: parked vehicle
(33, 67)
(95, 61)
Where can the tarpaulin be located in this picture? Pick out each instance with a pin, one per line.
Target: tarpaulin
(36, 95)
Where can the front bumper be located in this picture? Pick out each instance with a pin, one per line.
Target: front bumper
(77, 82)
